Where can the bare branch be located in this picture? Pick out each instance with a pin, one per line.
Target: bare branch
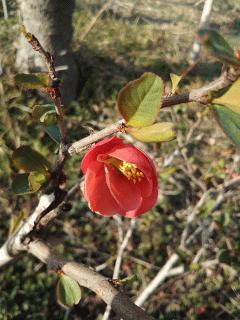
(54, 92)
(93, 21)
(90, 279)
(5, 256)
(160, 277)
(15, 244)
(81, 145)
(119, 260)
(201, 95)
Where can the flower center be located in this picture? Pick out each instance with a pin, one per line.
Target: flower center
(129, 170)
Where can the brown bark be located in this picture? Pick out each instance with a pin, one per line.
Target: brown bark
(51, 22)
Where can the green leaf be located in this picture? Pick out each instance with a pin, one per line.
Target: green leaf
(175, 79)
(31, 182)
(20, 184)
(36, 180)
(229, 122)
(54, 133)
(45, 114)
(217, 46)
(68, 291)
(158, 132)
(231, 98)
(29, 160)
(33, 81)
(140, 100)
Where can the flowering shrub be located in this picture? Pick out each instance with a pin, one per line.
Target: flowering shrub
(119, 179)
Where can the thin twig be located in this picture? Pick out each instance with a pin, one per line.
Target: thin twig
(54, 92)
(94, 19)
(160, 277)
(201, 95)
(119, 261)
(122, 248)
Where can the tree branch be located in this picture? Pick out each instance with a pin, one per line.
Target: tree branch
(90, 279)
(81, 145)
(203, 95)
(54, 92)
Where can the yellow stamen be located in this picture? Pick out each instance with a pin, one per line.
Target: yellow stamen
(129, 170)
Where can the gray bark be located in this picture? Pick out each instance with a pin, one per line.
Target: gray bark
(51, 22)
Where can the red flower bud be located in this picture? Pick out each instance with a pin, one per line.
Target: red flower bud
(119, 179)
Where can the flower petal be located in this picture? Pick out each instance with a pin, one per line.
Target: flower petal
(147, 203)
(97, 193)
(124, 191)
(132, 154)
(101, 147)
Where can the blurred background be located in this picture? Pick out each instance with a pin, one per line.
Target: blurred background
(100, 46)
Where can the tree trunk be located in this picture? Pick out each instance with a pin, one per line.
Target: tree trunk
(51, 22)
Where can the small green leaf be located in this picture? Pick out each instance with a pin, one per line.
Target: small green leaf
(231, 98)
(29, 160)
(24, 183)
(229, 122)
(175, 79)
(140, 100)
(54, 133)
(36, 180)
(33, 81)
(20, 184)
(68, 291)
(158, 132)
(217, 46)
(45, 114)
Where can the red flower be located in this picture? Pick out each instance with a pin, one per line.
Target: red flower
(119, 179)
